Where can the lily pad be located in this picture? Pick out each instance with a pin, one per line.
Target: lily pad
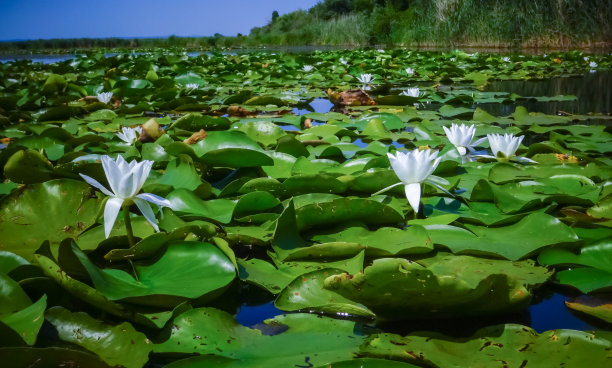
(509, 344)
(307, 339)
(116, 345)
(512, 242)
(187, 270)
(25, 222)
(231, 149)
(440, 286)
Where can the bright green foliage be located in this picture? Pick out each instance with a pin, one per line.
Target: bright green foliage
(271, 207)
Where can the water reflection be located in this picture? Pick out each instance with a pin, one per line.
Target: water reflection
(38, 58)
(250, 315)
(551, 313)
(321, 105)
(592, 90)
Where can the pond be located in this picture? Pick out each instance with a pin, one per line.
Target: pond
(358, 208)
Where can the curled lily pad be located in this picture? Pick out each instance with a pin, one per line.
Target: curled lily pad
(18, 312)
(316, 210)
(28, 167)
(91, 296)
(231, 149)
(596, 259)
(440, 286)
(116, 345)
(597, 306)
(187, 270)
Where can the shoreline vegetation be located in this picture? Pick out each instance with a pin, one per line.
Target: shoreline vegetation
(499, 24)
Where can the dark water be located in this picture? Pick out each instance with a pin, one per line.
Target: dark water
(547, 313)
(593, 92)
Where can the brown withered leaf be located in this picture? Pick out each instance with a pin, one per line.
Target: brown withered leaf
(150, 131)
(353, 97)
(307, 123)
(89, 98)
(196, 137)
(239, 111)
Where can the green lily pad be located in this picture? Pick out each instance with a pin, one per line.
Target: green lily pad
(597, 306)
(509, 344)
(116, 345)
(389, 121)
(91, 296)
(264, 132)
(316, 210)
(276, 278)
(200, 269)
(28, 167)
(441, 286)
(597, 261)
(195, 121)
(25, 222)
(231, 149)
(307, 339)
(18, 312)
(185, 202)
(52, 357)
(512, 242)
(385, 241)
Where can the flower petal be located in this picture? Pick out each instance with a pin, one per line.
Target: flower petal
(387, 188)
(147, 212)
(150, 197)
(94, 183)
(478, 142)
(413, 193)
(113, 174)
(111, 210)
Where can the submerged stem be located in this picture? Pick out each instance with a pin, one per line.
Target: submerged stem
(128, 223)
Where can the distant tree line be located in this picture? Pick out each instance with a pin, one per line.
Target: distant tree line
(216, 40)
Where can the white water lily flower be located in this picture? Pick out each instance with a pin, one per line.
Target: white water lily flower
(461, 136)
(411, 92)
(592, 64)
(192, 86)
(104, 97)
(128, 135)
(414, 168)
(409, 71)
(506, 59)
(506, 144)
(125, 181)
(343, 61)
(308, 68)
(365, 78)
(453, 59)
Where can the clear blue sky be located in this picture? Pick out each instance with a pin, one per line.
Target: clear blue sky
(33, 19)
